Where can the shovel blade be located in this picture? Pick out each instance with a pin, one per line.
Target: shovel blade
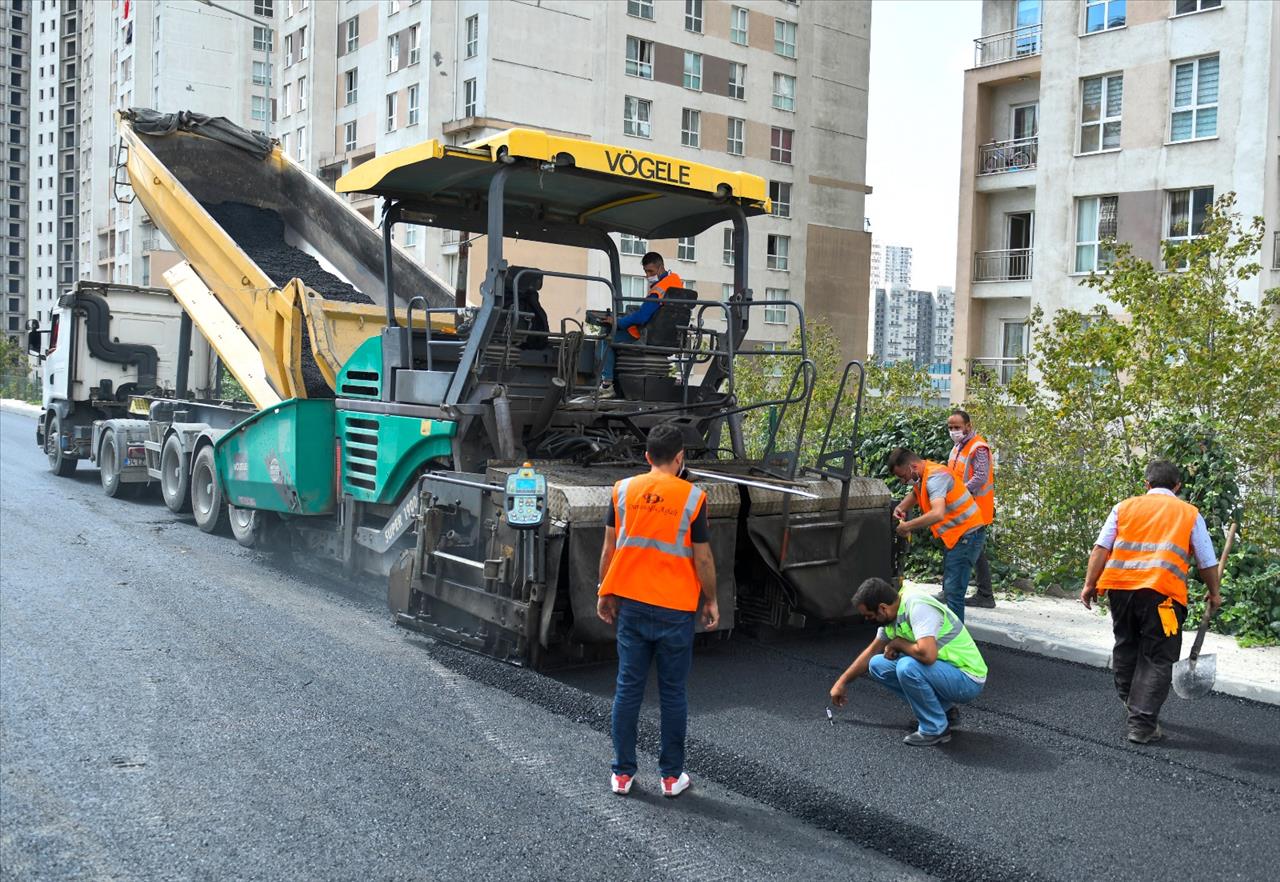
(1194, 679)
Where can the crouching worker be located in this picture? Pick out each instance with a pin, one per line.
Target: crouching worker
(922, 652)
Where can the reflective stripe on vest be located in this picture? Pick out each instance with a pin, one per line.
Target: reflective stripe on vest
(955, 644)
(961, 513)
(670, 280)
(1152, 548)
(959, 462)
(653, 557)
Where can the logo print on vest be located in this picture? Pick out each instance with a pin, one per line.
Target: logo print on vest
(652, 498)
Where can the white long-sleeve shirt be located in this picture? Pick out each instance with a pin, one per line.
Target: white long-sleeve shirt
(1201, 543)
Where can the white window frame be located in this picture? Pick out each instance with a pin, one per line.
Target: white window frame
(285, 103)
(261, 38)
(640, 61)
(414, 108)
(263, 78)
(785, 155)
(302, 146)
(1195, 108)
(302, 95)
(691, 128)
(778, 252)
(780, 207)
(1200, 7)
(735, 146)
(726, 250)
(392, 101)
(786, 98)
(693, 18)
(633, 246)
(472, 46)
(693, 71)
(410, 235)
(637, 117)
(393, 53)
(415, 44)
(739, 15)
(353, 34)
(350, 137)
(470, 97)
(784, 38)
(258, 108)
(351, 85)
(1105, 5)
(1188, 235)
(737, 81)
(686, 249)
(634, 288)
(1098, 257)
(776, 313)
(640, 9)
(1109, 84)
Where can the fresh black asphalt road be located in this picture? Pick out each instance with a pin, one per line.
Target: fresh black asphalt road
(173, 706)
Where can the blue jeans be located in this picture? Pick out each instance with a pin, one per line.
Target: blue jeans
(608, 355)
(931, 690)
(647, 634)
(957, 564)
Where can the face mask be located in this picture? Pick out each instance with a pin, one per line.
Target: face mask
(956, 434)
(651, 279)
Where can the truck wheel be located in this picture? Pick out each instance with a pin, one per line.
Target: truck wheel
(175, 480)
(246, 525)
(206, 493)
(60, 463)
(109, 469)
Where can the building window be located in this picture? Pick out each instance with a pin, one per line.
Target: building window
(1187, 209)
(780, 145)
(1184, 7)
(258, 109)
(1100, 105)
(780, 198)
(288, 50)
(736, 140)
(302, 94)
(469, 93)
(284, 141)
(693, 16)
(473, 36)
(634, 288)
(261, 74)
(1095, 222)
(693, 71)
(264, 8)
(737, 81)
(686, 249)
(640, 9)
(784, 91)
(353, 33)
(1103, 15)
(777, 257)
(391, 112)
(784, 38)
(413, 105)
(284, 100)
(738, 25)
(393, 53)
(635, 116)
(639, 58)
(776, 313)
(691, 128)
(349, 137)
(726, 253)
(1195, 99)
(302, 145)
(410, 236)
(261, 38)
(352, 81)
(415, 44)
(633, 245)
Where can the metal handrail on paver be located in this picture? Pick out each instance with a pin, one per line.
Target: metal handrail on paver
(1018, 154)
(1020, 42)
(1004, 265)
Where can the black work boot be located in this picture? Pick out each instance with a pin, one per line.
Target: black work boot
(981, 601)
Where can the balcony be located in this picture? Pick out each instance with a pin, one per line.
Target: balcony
(999, 157)
(1005, 265)
(994, 370)
(1020, 42)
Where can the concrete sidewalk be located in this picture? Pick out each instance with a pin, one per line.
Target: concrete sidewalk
(22, 407)
(1063, 628)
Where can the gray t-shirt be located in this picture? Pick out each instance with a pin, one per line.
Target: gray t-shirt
(940, 484)
(925, 620)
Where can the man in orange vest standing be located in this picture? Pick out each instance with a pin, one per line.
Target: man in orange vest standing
(1143, 556)
(628, 326)
(949, 512)
(656, 569)
(970, 459)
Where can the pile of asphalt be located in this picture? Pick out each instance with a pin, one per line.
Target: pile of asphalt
(260, 234)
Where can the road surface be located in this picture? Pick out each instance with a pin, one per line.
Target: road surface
(176, 707)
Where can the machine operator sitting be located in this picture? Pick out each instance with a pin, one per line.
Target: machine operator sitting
(628, 326)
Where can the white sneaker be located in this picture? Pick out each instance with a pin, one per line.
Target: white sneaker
(675, 786)
(621, 784)
(606, 390)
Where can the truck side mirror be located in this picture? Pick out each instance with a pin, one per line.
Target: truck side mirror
(33, 337)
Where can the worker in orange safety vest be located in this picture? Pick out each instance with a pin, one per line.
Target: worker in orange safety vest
(971, 460)
(627, 327)
(1143, 557)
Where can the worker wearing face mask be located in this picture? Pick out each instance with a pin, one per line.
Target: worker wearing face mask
(627, 330)
(970, 459)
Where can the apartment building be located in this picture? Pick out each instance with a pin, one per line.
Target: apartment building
(905, 325)
(897, 265)
(169, 55)
(877, 265)
(53, 145)
(1136, 115)
(771, 87)
(15, 68)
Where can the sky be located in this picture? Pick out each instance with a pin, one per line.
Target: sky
(919, 52)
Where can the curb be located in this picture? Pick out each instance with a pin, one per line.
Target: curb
(12, 405)
(1101, 658)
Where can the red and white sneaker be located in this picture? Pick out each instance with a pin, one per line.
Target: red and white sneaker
(621, 784)
(676, 786)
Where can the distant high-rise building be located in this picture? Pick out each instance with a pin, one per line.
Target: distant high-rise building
(904, 326)
(944, 324)
(897, 265)
(15, 66)
(877, 265)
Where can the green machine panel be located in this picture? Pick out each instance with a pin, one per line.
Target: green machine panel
(381, 452)
(281, 458)
(361, 376)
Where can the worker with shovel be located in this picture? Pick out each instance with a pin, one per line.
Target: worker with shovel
(1143, 556)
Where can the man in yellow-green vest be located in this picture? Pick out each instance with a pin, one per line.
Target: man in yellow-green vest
(922, 652)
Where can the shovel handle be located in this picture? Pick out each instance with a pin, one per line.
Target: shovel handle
(1222, 568)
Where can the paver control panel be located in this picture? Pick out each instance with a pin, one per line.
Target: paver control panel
(526, 498)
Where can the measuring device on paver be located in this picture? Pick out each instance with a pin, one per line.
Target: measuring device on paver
(525, 500)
